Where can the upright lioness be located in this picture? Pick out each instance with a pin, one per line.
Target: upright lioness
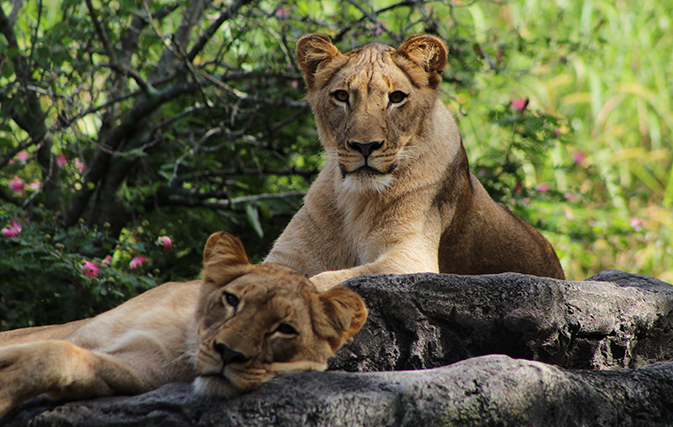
(231, 331)
(396, 194)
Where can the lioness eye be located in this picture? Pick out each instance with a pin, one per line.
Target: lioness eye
(397, 97)
(341, 95)
(231, 299)
(286, 329)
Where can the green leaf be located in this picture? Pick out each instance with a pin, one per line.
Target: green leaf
(253, 218)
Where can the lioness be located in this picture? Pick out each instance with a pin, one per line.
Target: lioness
(230, 332)
(396, 194)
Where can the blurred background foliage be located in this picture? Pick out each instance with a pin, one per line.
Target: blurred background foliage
(130, 131)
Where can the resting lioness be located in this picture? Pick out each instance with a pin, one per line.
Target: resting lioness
(396, 194)
(231, 331)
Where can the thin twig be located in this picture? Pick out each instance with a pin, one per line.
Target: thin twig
(101, 32)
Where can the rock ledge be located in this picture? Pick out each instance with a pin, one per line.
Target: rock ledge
(505, 349)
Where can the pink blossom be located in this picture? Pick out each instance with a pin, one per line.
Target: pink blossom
(166, 242)
(519, 104)
(636, 224)
(571, 197)
(35, 185)
(280, 13)
(294, 84)
(22, 156)
(13, 230)
(61, 159)
(16, 185)
(542, 188)
(90, 268)
(557, 132)
(137, 262)
(579, 157)
(79, 165)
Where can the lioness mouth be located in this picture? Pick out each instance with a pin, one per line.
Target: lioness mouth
(365, 169)
(368, 169)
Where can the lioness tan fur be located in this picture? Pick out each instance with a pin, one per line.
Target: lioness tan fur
(230, 332)
(396, 194)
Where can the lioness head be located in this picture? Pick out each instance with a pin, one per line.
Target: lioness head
(255, 321)
(370, 102)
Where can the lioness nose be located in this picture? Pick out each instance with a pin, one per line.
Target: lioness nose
(229, 355)
(366, 148)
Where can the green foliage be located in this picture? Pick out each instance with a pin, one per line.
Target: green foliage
(45, 278)
(134, 121)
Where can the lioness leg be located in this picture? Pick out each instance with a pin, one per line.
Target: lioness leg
(64, 371)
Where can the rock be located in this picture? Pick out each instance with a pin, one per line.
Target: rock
(613, 319)
(437, 337)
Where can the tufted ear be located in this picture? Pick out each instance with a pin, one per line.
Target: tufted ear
(224, 249)
(428, 52)
(312, 50)
(345, 313)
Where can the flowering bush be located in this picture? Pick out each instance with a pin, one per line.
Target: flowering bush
(51, 275)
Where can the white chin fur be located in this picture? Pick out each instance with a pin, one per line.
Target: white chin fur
(214, 387)
(361, 182)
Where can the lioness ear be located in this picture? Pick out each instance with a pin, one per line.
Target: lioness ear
(428, 52)
(312, 50)
(224, 249)
(345, 313)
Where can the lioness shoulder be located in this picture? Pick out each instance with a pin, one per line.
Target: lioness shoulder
(229, 332)
(396, 194)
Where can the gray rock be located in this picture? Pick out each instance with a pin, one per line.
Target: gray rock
(615, 326)
(610, 320)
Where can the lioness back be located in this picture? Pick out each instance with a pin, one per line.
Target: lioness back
(396, 194)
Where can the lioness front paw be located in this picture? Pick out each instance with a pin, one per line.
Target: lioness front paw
(329, 279)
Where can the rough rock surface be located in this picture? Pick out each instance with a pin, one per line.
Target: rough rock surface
(604, 335)
(613, 319)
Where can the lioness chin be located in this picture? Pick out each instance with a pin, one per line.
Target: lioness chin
(230, 332)
(396, 194)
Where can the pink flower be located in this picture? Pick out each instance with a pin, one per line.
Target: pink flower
(13, 230)
(90, 268)
(16, 185)
(571, 197)
(79, 165)
(35, 185)
(519, 104)
(542, 188)
(22, 156)
(557, 132)
(294, 84)
(166, 242)
(107, 260)
(137, 262)
(636, 224)
(280, 13)
(579, 157)
(61, 159)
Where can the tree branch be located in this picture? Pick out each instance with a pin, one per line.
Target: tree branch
(212, 28)
(99, 163)
(195, 200)
(101, 32)
(33, 121)
(306, 173)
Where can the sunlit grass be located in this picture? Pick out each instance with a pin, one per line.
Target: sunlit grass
(611, 77)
